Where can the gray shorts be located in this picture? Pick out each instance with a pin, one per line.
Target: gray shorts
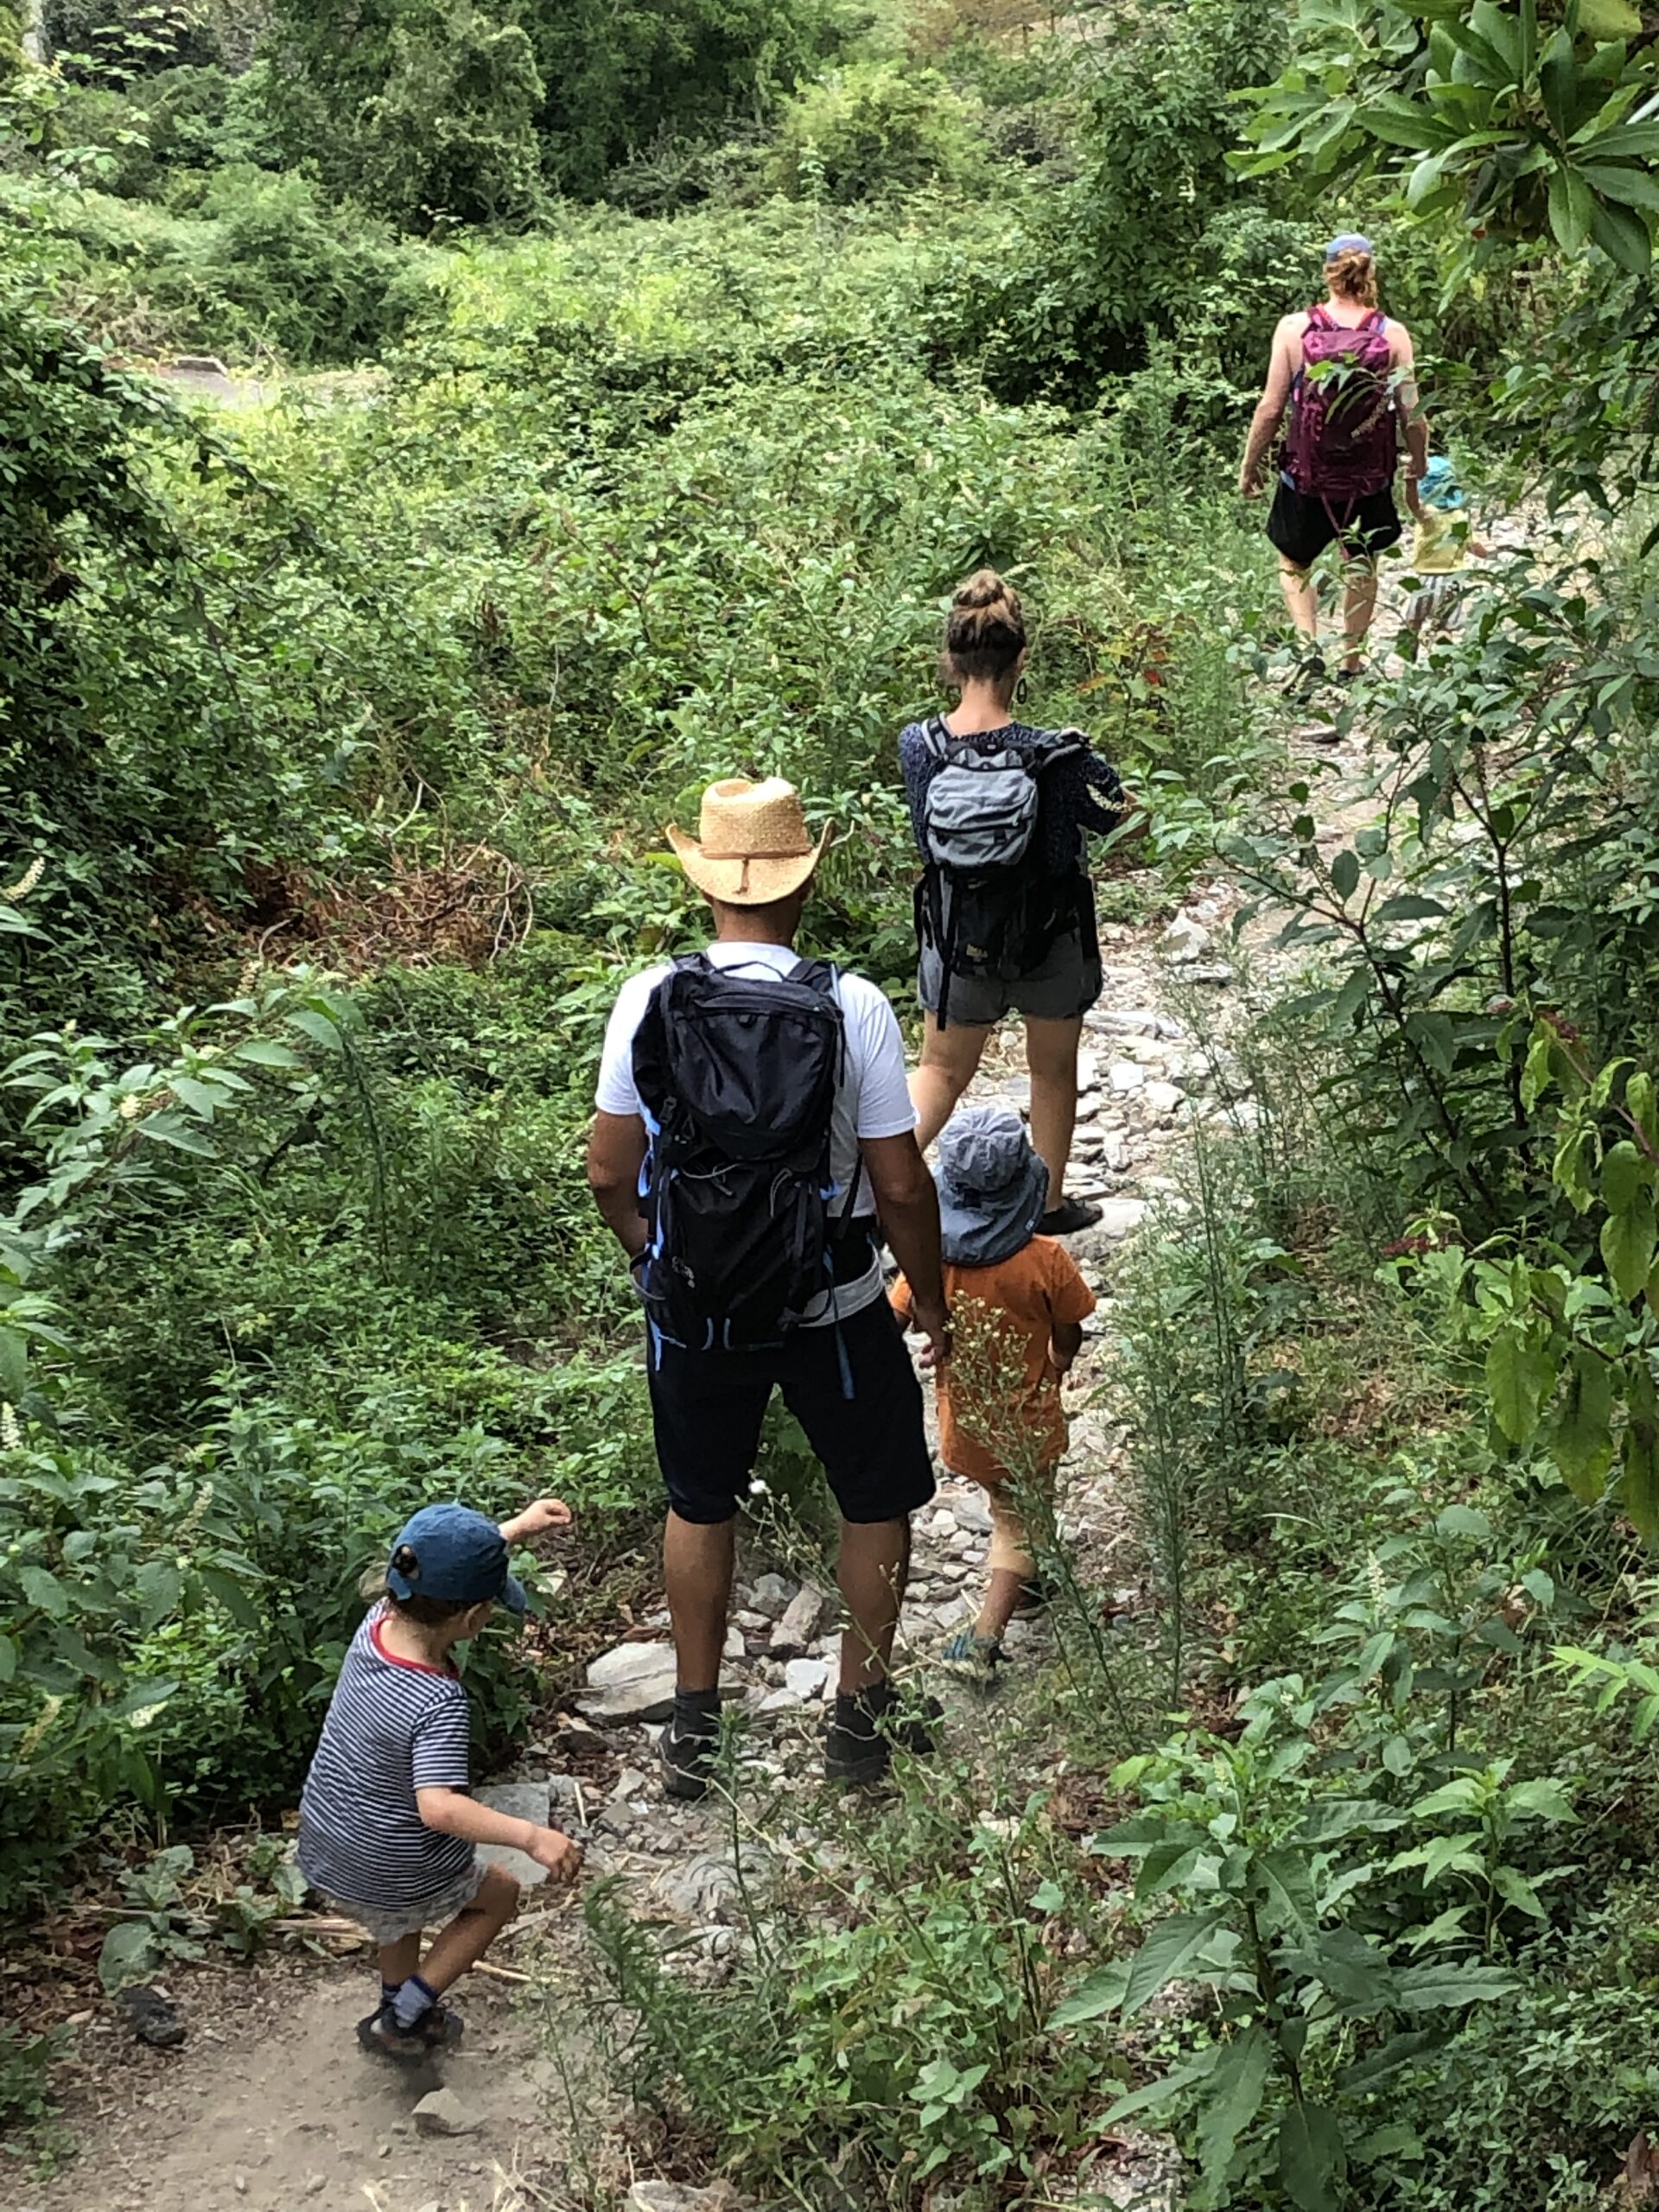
(389, 1923)
(1064, 984)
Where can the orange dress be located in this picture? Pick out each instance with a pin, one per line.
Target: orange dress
(997, 1395)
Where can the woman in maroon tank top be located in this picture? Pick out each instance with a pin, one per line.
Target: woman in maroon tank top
(1345, 373)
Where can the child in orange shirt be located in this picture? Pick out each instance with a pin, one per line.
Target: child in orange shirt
(1017, 1306)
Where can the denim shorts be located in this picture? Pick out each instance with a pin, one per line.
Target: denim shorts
(1065, 983)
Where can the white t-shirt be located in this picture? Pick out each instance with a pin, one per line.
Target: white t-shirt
(872, 1098)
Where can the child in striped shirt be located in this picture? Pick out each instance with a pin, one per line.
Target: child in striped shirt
(387, 1828)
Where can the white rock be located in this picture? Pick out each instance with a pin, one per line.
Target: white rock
(1122, 1216)
(634, 1681)
(441, 2112)
(1124, 1021)
(1163, 1098)
(805, 1678)
(629, 1783)
(1186, 938)
(734, 1646)
(971, 1511)
(1125, 1076)
(803, 1617)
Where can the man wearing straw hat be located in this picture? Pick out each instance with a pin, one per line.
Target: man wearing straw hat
(837, 1355)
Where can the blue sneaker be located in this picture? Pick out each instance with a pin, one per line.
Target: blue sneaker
(974, 1657)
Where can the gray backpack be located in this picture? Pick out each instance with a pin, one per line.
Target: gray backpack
(986, 903)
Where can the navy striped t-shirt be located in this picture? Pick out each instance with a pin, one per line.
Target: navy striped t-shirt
(393, 1727)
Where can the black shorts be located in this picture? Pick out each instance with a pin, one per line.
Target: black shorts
(1301, 524)
(707, 1408)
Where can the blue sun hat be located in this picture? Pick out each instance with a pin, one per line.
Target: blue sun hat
(1348, 242)
(459, 1556)
(993, 1187)
(1438, 486)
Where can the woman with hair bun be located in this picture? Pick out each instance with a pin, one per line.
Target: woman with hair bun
(1344, 370)
(1005, 911)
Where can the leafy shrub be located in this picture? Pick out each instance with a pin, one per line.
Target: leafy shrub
(874, 127)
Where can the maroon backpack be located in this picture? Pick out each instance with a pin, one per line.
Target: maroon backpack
(1342, 442)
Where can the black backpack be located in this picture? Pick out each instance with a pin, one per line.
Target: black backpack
(986, 903)
(738, 1080)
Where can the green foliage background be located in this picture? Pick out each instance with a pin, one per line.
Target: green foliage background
(640, 381)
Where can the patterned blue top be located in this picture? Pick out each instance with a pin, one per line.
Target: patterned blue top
(1068, 804)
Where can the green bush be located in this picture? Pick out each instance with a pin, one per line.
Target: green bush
(874, 128)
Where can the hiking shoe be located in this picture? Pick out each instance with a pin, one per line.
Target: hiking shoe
(975, 1658)
(437, 2028)
(688, 1760)
(1068, 1217)
(859, 1745)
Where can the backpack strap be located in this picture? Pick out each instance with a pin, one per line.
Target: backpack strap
(937, 738)
(1320, 317)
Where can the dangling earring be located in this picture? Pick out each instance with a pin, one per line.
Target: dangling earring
(1019, 692)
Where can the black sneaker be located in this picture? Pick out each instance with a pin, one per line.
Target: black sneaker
(859, 1745)
(437, 2028)
(1068, 1217)
(688, 1760)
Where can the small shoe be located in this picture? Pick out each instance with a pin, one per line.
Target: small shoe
(688, 1761)
(976, 1658)
(1068, 1217)
(859, 1745)
(381, 2034)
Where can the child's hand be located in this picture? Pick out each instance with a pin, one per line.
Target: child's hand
(542, 1512)
(558, 1853)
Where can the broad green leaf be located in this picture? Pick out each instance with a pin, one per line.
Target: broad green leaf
(1400, 2051)
(1539, 1800)
(1517, 1376)
(1515, 1889)
(1580, 1437)
(129, 1953)
(202, 1098)
(1162, 2091)
(1465, 1520)
(319, 1027)
(1448, 1987)
(266, 1052)
(1173, 1944)
(1288, 1890)
(42, 1589)
(142, 1697)
(171, 1129)
(1570, 205)
(1609, 19)
(1312, 2161)
(1410, 906)
(1624, 1175)
(1631, 187)
(8, 1659)
(14, 1363)
(1102, 1992)
(1232, 2099)
(1623, 236)
(1344, 874)
(1627, 1241)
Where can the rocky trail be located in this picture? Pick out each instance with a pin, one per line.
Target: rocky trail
(268, 2106)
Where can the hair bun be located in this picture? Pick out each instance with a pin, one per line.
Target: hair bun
(983, 588)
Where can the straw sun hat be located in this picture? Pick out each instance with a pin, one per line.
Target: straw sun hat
(752, 844)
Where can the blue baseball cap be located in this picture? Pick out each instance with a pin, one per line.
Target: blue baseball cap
(1349, 242)
(459, 1556)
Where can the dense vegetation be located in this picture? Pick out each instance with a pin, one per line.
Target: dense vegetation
(692, 350)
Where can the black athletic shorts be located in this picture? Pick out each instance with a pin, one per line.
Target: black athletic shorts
(707, 1408)
(1301, 524)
